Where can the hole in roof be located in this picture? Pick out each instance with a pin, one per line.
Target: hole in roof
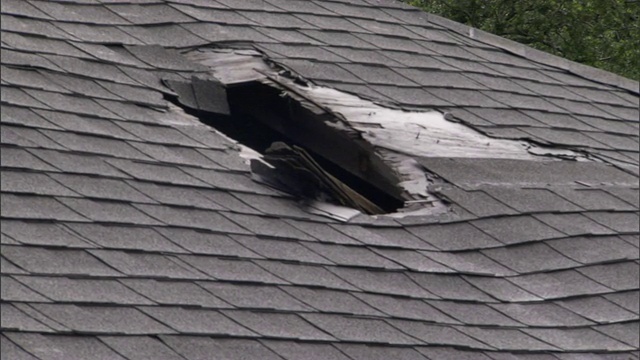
(328, 146)
(300, 153)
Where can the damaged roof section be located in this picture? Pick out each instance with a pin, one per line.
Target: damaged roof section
(365, 144)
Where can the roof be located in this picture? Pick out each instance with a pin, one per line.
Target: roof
(130, 230)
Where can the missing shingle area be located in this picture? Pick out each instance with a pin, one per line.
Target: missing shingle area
(325, 145)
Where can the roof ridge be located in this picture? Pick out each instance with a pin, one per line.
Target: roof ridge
(525, 51)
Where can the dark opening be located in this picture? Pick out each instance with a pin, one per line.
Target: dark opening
(258, 115)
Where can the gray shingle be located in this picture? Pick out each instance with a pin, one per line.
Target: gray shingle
(102, 319)
(205, 32)
(49, 261)
(530, 258)
(78, 13)
(378, 75)
(278, 325)
(413, 260)
(452, 353)
(228, 181)
(267, 226)
(80, 86)
(628, 300)
(359, 329)
(254, 296)
(396, 237)
(619, 276)
(322, 232)
(561, 121)
(25, 9)
(173, 195)
(174, 293)
(589, 250)
(47, 234)
(558, 284)
(541, 314)
(96, 145)
(577, 339)
(31, 79)
(12, 351)
(305, 275)
(210, 14)
(100, 188)
(275, 206)
(62, 289)
(110, 54)
(472, 173)
(532, 200)
(320, 71)
(284, 250)
(411, 96)
(104, 211)
(284, 20)
(565, 138)
(70, 347)
(619, 222)
(436, 334)
(144, 264)
(85, 124)
(14, 319)
(449, 287)
(201, 348)
(26, 137)
(598, 309)
(196, 321)
(97, 34)
(71, 163)
(14, 291)
(470, 262)
(71, 103)
(501, 289)
(139, 347)
(511, 230)
(623, 332)
(301, 351)
(573, 224)
(367, 352)
(125, 237)
(352, 256)
(156, 173)
(385, 282)
(458, 236)
(506, 339)
(9, 268)
(406, 308)
(227, 159)
(20, 158)
(205, 243)
(192, 218)
(33, 183)
(231, 270)
(148, 14)
(331, 301)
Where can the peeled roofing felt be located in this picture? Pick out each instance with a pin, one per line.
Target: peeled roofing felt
(128, 231)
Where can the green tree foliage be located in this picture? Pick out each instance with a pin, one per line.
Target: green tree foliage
(600, 33)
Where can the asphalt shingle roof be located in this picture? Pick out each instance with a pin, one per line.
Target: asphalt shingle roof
(130, 230)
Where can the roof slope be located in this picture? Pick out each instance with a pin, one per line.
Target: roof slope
(131, 231)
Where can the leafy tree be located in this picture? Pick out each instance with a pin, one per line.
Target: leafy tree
(600, 33)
